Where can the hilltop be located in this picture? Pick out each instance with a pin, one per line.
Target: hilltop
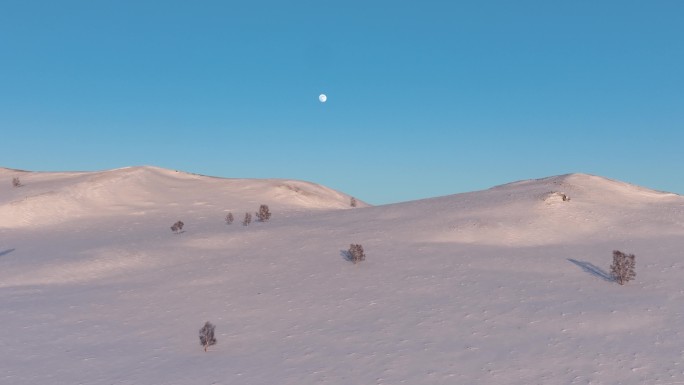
(51, 198)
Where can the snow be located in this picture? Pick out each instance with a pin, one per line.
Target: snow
(501, 286)
(53, 198)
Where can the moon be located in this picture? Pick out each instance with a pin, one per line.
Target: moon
(322, 98)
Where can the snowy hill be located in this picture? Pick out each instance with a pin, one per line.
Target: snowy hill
(50, 198)
(533, 212)
(503, 286)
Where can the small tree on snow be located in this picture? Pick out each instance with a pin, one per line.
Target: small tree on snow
(16, 182)
(177, 227)
(206, 335)
(622, 268)
(355, 253)
(264, 214)
(229, 218)
(247, 220)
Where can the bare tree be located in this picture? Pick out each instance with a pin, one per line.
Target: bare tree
(355, 253)
(229, 218)
(206, 335)
(264, 214)
(622, 268)
(352, 202)
(177, 227)
(247, 220)
(16, 182)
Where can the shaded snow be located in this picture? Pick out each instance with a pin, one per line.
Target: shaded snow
(491, 287)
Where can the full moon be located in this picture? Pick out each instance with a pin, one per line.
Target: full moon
(322, 98)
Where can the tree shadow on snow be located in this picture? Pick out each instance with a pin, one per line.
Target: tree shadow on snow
(346, 255)
(6, 252)
(592, 269)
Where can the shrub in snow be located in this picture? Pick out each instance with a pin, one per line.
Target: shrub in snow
(264, 214)
(352, 202)
(229, 218)
(355, 253)
(16, 182)
(622, 268)
(177, 227)
(247, 220)
(206, 335)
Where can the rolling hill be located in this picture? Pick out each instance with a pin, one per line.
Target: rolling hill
(508, 285)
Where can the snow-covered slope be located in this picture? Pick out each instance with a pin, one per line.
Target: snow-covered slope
(534, 212)
(504, 286)
(51, 198)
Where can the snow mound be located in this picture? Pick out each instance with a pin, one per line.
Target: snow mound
(555, 197)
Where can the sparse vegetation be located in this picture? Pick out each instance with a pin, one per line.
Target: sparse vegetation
(247, 220)
(229, 218)
(206, 335)
(352, 202)
(622, 269)
(263, 214)
(355, 253)
(177, 227)
(16, 182)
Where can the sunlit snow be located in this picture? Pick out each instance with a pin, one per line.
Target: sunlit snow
(506, 286)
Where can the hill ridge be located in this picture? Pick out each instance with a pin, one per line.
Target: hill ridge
(62, 196)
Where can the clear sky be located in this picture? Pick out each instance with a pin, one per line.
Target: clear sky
(425, 98)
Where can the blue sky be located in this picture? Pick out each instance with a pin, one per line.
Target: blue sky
(425, 98)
